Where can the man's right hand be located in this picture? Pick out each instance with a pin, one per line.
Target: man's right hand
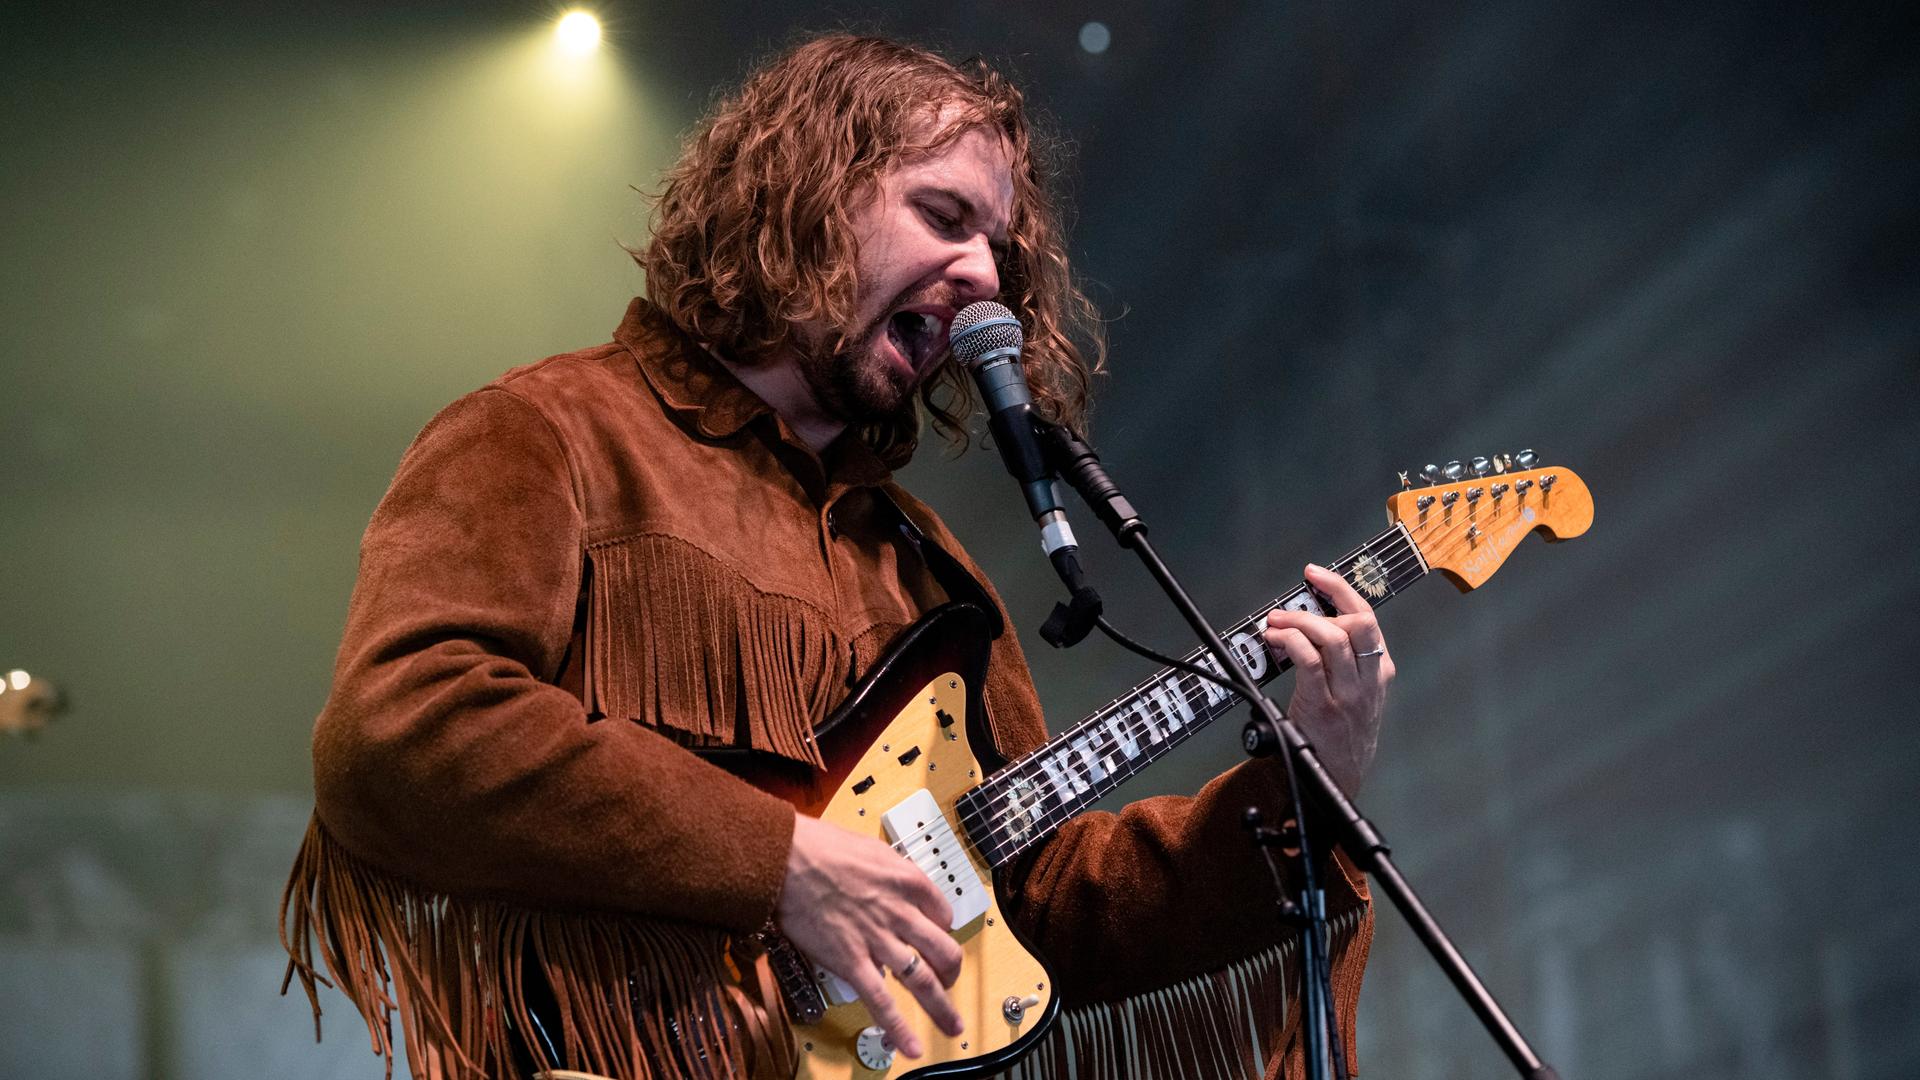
(854, 906)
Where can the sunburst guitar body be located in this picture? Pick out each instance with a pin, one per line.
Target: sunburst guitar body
(900, 757)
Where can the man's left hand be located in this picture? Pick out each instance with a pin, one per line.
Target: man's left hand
(1338, 692)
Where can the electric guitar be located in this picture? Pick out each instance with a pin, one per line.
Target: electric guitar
(901, 764)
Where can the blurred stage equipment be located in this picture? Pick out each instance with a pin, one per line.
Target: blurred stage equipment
(27, 703)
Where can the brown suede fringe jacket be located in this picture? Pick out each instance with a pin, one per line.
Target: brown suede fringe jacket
(608, 556)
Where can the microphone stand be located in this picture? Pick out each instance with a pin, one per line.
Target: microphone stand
(1268, 731)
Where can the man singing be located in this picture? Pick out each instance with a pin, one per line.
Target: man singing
(600, 565)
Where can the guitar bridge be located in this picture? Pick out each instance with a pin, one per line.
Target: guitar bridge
(794, 975)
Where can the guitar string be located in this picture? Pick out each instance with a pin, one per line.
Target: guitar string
(1440, 544)
(1151, 698)
(1078, 796)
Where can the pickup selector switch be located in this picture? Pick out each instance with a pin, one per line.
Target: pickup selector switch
(1015, 1007)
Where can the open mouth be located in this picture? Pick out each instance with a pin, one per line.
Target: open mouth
(918, 336)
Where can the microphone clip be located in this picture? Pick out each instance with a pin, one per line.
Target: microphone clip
(1073, 620)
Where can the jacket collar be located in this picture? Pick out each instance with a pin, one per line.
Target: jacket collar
(691, 383)
(704, 394)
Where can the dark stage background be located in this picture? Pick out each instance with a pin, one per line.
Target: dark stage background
(1656, 780)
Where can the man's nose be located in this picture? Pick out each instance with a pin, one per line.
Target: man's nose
(974, 274)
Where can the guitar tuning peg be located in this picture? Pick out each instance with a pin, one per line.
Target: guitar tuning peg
(1502, 462)
(1453, 471)
(1431, 474)
(1481, 466)
(1405, 484)
(1526, 459)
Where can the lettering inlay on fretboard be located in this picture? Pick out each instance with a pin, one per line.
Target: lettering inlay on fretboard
(1023, 803)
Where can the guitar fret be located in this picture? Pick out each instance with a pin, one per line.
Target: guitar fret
(1026, 801)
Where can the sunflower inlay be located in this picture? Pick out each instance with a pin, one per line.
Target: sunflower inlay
(1369, 577)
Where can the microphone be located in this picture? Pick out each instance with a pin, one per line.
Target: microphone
(986, 339)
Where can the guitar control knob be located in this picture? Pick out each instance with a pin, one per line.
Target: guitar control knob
(1526, 459)
(1481, 466)
(873, 1049)
(1453, 471)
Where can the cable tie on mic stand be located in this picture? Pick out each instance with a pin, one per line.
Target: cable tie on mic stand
(1073, 620)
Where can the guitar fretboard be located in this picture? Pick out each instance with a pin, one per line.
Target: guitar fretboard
(1025, 802)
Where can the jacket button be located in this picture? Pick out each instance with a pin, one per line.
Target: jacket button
(833, 526)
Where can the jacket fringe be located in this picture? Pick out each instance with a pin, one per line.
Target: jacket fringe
(679, 641)
(452, 969)
(1231, 1024)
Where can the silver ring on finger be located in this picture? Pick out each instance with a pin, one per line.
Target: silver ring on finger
(913, 965)
(1370, 652)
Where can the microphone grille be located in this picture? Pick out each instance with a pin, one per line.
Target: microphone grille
(983, 328)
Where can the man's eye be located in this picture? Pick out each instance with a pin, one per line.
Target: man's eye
(943, 222)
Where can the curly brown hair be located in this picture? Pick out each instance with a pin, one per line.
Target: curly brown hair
(751, 231)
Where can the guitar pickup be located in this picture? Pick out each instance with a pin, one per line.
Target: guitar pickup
(907, 758)
(860, 786)
(919, 830)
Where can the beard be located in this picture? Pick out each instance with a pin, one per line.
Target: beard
(856, 384)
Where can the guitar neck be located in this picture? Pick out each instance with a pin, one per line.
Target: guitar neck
(1025, 802)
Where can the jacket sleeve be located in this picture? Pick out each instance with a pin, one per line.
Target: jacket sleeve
(446, 756)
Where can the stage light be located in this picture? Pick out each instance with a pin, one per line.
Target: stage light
(1095, 37)
(19, 679)
(578, 33)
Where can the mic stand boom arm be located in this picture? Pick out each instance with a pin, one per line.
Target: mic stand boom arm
(1270, 730)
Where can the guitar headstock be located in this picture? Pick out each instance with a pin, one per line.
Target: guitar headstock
(1470, 516)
